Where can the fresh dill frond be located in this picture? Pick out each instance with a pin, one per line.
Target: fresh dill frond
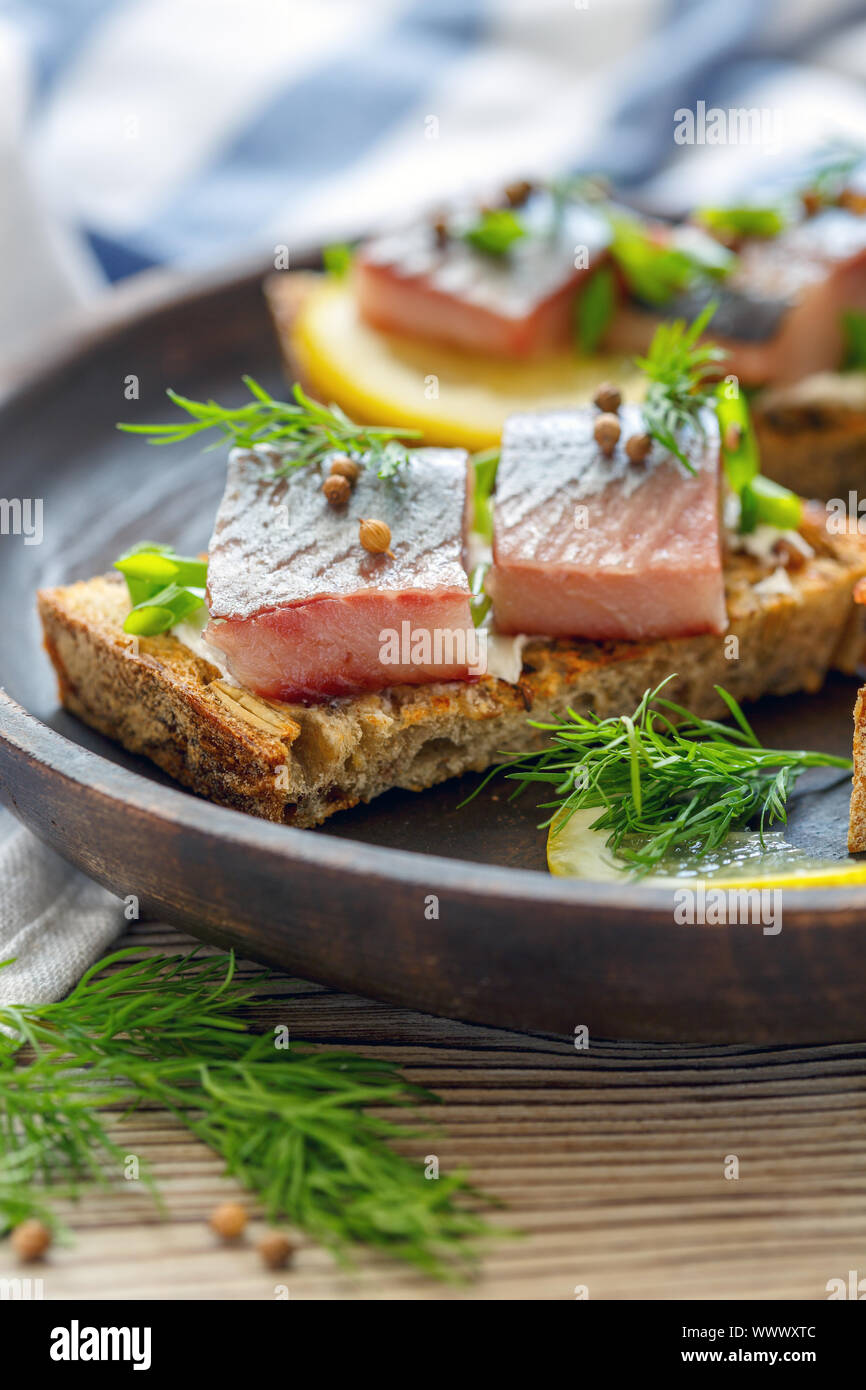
(662, 777)
(304, 430)
(677, 366)
(302, 1130)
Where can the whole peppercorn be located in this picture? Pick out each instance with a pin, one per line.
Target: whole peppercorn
(733, 437)
(30, 1240)
(637, 446)
(275, 1249)
(229, 1220)
(608, 398)
(346, 468)
(337, 490)
(375, 536)
(518, 192)
(607, 432)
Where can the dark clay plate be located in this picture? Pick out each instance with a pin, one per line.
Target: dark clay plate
(352, 904)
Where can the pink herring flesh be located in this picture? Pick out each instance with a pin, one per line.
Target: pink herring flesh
(516, 305)
(297, 605)
(779, 314)
(605, 549)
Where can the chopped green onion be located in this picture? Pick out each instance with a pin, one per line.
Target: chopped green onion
(743, 221)
(741, 463)
(337, 259)
(160, 612)
(854, 329)
(480, 602)
(159, 572)
(161, 568)
(147, 620)
(761, 500)
(495, 232)
(771, 504)
(485, 465)
(748, 510)
(594, 309)
(159, 583)
(655, 270)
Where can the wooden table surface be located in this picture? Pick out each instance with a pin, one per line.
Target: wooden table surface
(611, 1162)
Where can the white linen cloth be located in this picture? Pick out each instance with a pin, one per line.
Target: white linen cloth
(54, 922)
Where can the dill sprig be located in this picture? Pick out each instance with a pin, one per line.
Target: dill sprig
(298, 1128)
(677, 367)
(19, 1198)
(304, 430)
(662, 777)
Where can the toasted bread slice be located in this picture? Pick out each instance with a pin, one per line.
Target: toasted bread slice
(299, 764)
(812, 436)
(857, 826)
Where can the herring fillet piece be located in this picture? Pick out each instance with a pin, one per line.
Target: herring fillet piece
(779, 315)
(605, 549)
(298, 607)
(518, 305)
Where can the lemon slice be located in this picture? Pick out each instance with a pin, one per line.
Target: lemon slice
(454, 398)
(574, 850)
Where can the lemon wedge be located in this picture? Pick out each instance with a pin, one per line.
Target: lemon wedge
(454, 398)
(575, 850)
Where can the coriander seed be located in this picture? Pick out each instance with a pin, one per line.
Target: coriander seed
(517, 193)
(229, 1220)
(375, 536)
(607, 431)
(30, 1240)
(637, 446)
(275, 1249)
(337, 490)
(346, 468)
(608, 398)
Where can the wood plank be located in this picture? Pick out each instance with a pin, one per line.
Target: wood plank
(610, 1161)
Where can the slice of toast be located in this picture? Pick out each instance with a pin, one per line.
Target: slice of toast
(812, 436)
(299, 764)
(857, 826)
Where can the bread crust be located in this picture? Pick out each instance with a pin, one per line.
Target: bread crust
(812, 436)
(301, 764)
(857, 825)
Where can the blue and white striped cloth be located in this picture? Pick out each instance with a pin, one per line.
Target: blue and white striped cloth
(142, 132)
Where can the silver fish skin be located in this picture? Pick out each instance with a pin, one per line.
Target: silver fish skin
(278, 542)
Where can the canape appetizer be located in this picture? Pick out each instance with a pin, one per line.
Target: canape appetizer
(456, 322)
(331, 647)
